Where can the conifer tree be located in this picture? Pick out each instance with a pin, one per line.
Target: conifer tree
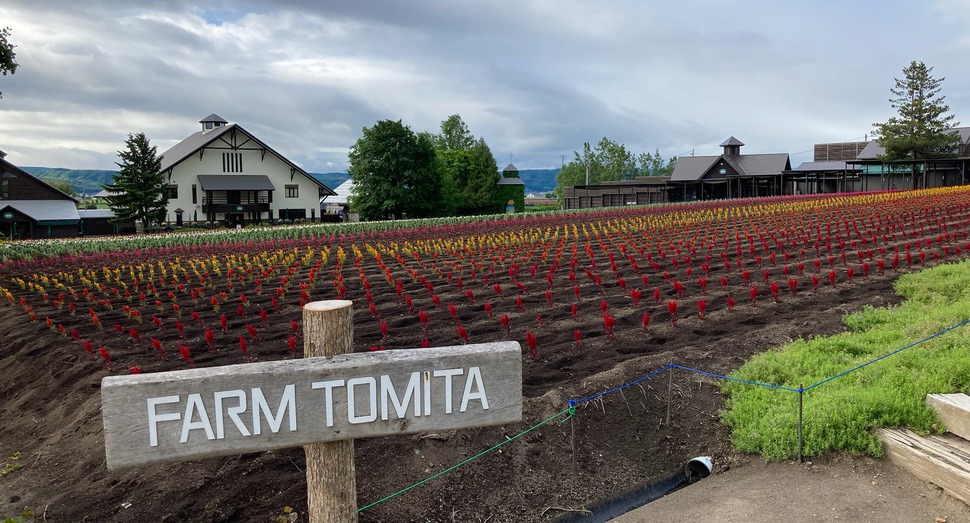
(138, 191)
(921, 129)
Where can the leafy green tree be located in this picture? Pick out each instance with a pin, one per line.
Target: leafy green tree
(652, 164)
(920, 129)
(469, 170)
(395, 173)
(138, 190)
(8, 58)
(454, 135)
(63, 186)
(608, 161)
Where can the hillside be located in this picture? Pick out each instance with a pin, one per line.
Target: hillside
(539, 181)
(90, 181)
(83, 181)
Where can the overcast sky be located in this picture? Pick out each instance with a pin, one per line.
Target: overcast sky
(534, 78)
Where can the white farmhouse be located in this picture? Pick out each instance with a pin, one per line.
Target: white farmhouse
(225, 174)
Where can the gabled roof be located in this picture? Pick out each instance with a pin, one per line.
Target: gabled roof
(103, 193)
(691, 168)
(191, 145)
(763, 164)
(694, 168)
(199, 140)
(341, 194)
(873, 150)
(6, 166)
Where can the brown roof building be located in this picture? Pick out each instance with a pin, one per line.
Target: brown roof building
(30, 208)
(728, 175)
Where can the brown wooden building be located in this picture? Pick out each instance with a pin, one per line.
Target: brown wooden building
(641, 190)
(730, 175)
(922, 174)
(30, 208)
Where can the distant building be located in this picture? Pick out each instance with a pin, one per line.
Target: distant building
(223, 173)
(729, 175)
(339, 203)
(930, 172)
(642, 190)
(511, 190)
(30, 208)
(829, 172)
(838, 151)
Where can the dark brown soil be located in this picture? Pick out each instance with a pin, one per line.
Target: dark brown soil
(50, 389)
(51, 417)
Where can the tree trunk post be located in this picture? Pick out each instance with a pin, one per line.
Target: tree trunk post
(328, 330)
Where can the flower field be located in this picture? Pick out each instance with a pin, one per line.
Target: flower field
(582, 293)
(554, 283)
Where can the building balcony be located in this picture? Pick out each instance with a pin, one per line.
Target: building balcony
(243, 205)
(234, 208)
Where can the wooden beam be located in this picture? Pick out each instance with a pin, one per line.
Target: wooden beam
(953, 410)
(941, 460)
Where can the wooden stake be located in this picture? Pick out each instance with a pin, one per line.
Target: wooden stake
(670, 392)
(328, 330)
(572, 441)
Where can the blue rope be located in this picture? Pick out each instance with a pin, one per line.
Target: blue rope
(573, 403)
(888, 354)
(739, 380)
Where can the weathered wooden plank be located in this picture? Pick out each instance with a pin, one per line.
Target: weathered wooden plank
(173, 416)
(331, 477)
(944, 461)
(953, 410)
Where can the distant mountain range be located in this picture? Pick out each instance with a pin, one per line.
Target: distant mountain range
(90, 181)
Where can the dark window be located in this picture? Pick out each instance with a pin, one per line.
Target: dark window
(195, 195)
(5, 189)
(208, 125)
(233, 197)
(232, 162)
(172, 191)
(292, 214)
(292, 191)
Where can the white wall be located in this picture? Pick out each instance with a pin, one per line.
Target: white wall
(253, 163)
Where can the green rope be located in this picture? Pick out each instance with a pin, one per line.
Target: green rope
(570, 411)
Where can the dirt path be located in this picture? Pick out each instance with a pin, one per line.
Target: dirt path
(856, 490)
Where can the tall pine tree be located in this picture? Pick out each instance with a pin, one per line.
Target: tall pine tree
(138, 191)
(920, 130)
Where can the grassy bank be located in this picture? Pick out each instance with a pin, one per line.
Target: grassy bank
(840, 414)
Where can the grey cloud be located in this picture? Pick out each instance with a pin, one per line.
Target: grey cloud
(533, 78)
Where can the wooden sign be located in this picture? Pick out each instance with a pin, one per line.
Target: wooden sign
(180, 415)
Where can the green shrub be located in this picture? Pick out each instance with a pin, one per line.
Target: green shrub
(840, 414)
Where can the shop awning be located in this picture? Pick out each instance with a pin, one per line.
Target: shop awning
(216, 182)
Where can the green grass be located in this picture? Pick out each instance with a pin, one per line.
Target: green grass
(840, 415)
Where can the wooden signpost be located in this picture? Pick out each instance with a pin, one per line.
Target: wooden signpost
(322, 403)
